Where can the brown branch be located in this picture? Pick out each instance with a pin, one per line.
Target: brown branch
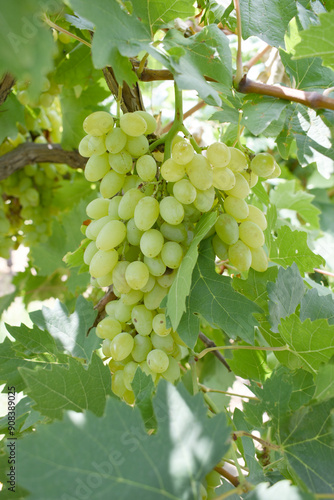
(313, 100)
(131, 96)
(5, 87)
(151, 75)
(30, 152)
(209, 343)
(249, 64)
(227, 475)
(100, 307)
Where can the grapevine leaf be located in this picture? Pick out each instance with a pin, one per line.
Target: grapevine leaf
(213, 297)
(303, 389)
(315, 306)
(76, 68)
(6, 300)
(118, 455)
(158, 13)
(12, 112)
(70, 331)
(317, 41)
(143, 388)
(324, 382)
(286, 196)
(189, 326)
(79, 22)
(10, 361)
(270, 26)
(249, 364)
(255, 287)
(260, 111)
(71, 387)
(22, 409)
(176, 300)
(291, 246)
(35, 340)
(307, 74)
(279, 490)
(26, 47)
(285, 294)
(311, 341)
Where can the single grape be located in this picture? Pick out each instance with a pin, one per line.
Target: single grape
(111, 235)
(137, 275)
(118, 277)
(132, 297)
(131, 181)
(227, 229)
(251, 234)
(128, 203)
(89, 252)
(121, 346)
(172, 171)
(120, 162)
(159, 325)
(133, 124)
(113, 205)
(257, 216)
(218, 154)
(151, 242)
(117, 384)
(129, 373)
(108, 328)
(97, 208)
(153, 299)
(200, 172)
(122, 311)
(182, 152)
(142, 319)
(142, 346)
(263, 165)
(133, 233)
(115, 366)
(205, 199)
(276, 173)
(241, 188)
(157, 361)
(96, 145)
(150, 284)
(250, 177)
(155, 265)
(236, 207)
(259, 260)
(137, 146)
(167, 279)
(240, 256)
(223, 178)
(111, 184)
(98, 123)
(95, 227)
(150, 121)
(184, 191)
(172, 254)
(220, 248)
(146, 213)
(84, 148)
(104, 281)
(171, 210)
(146, 168)
(115, 141)
(96, 167)
(176, 232)
(213, 479)
(238, 161)
(103, 262)
(165, 343)
(173, 372)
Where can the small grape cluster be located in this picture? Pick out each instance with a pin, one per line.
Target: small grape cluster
(142, 225)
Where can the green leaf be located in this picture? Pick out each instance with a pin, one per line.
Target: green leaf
(291, 246)
(317, 41)
(12, 113)
(34, 340)
(286, 196)
(143, 388)
(75, 259)
(26, 48)
(260, 111)
(70, 331)
(22, 410)
(249, 364)
(213, 297)
(312, 342)
(307, 74)
(281, 489)
(6, 300)
(324, 382)
(255, 287)
(118, 456)
(268, 19)
(10, 361)
(315, 306)
(285, 294)
(176, 299)
(156, 14)
(71, 387)
(76, 68)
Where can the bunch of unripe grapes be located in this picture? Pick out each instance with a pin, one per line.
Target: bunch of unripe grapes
(142, 224)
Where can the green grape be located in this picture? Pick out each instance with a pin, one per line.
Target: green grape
(257, 216)
(205, 199)
(159, 325)
(133, 124)
(171, 210)
(118, 277)
(150, 121)
(89, 252)
(129, 373)
(84, 148)
(276, 173)
(146, 168)
(142, 319)
(95, 227)
(200, 172)
(241, 188)
(115, 140)
(111, 308)
(129, 397)
(220, 248)
(137, 275)
(213, 479)
(96, 145)
(106, 348)
(250, 177)
(152, 299)
(223, 178)
(263, 165)
(165, 343)
(171, 171)
(142, 346)
(240, 256)
(113, 205)
(218, 154)
(151, 243)
(146, 213)
(103, 262)
(259, 260)
(145, 368)
(155, 265)
(157, 361)
(227, 229)
(133, 233)
(97, 208)
(115, 366)
(120, 162)
(122, 311)
(111, 235)
(137, 146)
(128, 203)
(108, 328)
(182, 152)
(132, 297)
(111, 184)
(191, 214)
(172, 254)
(251, 234)
(238, 161)
(167, 279)
(236, 207)
(30, 197)
(98, 123)
(176, 232)
(121, 346)
(105, 280)
(117, 384)
(173, 372)
(149, 285)
(184, 191)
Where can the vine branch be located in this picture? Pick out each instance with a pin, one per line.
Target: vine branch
(5, 87)
(209, 343)
(31, 152)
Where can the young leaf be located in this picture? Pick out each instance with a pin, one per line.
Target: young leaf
(315, 306)
(118, 455)
(260, 111)
(308, 73)
(155, 14)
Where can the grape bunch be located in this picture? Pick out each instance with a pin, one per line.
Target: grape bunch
(142, 224)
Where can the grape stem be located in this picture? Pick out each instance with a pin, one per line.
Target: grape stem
(209, 343)
(239, 72)
(248, 347)
(266, 444)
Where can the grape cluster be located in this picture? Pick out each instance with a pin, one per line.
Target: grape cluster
(142, 224)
